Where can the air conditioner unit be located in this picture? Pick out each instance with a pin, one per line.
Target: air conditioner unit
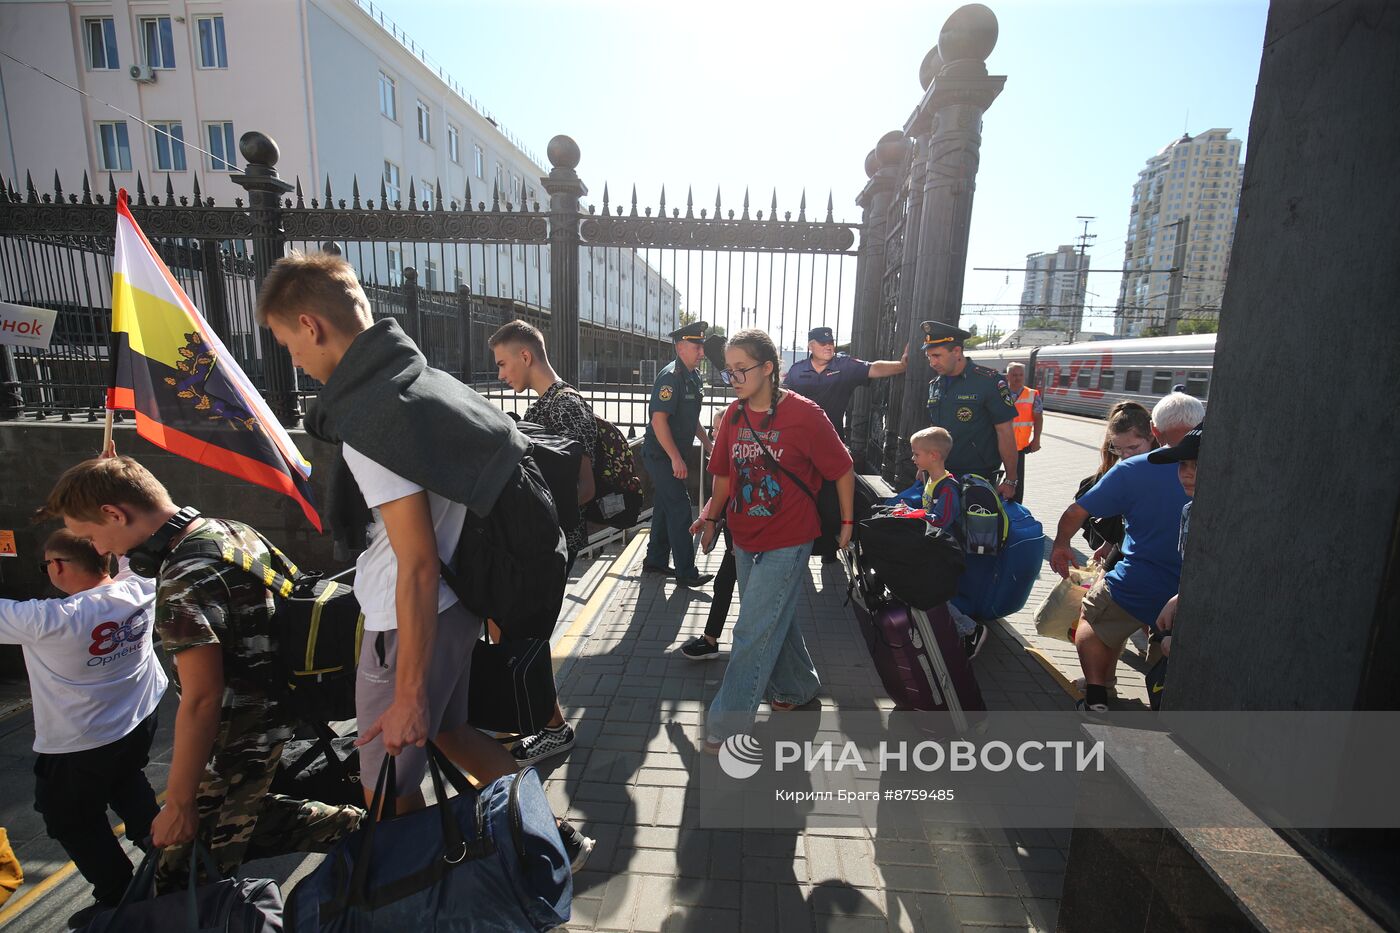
(143, 74)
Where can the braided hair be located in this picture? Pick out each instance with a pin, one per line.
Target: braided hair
(757, 344)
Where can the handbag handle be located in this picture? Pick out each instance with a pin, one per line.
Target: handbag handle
(143, 882)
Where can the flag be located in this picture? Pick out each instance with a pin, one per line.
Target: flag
(189, 395)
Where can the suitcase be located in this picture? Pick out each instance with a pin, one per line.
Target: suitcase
(918, 655)
(995, 586)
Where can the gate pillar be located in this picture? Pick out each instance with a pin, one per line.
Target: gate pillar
(565, 188)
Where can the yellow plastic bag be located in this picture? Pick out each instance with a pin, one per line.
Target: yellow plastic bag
(11, 875)
(1058, 615)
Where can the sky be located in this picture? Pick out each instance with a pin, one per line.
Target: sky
(772, 94)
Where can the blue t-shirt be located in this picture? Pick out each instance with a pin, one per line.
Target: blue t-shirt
(1150, 499)
(832, 387)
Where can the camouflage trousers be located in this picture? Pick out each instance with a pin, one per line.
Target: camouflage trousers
(239, 820)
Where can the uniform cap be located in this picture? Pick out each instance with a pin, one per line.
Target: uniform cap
(938, 334)
(694, 331)
(821, 335)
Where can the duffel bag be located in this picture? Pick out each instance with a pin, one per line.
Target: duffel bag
(511, 688)
(917, 562)
(249, 906)
(488, 860)
(326, 768)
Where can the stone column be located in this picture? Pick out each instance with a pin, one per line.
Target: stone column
(881, 166)
(950, 119)
(265, 190)
(565, 188)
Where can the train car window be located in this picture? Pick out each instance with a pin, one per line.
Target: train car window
(1132, 380)
(1106, 380)
(1064, 378)
(1084, 377)
(1197, 383)
(1161, 381)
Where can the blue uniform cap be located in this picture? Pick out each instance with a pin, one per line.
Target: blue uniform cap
(821, 335)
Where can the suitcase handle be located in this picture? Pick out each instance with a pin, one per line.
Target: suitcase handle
(143, 884)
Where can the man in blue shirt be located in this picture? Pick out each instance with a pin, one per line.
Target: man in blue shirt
(1131, 595)
(828, 378)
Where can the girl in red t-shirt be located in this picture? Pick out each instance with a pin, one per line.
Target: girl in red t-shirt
(772, 452)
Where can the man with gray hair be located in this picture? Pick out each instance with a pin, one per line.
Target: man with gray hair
(1131, 595)
(1030, 421)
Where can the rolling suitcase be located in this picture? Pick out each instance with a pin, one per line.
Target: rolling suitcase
(918, 655)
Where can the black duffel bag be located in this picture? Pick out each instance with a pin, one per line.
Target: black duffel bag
(250, 906)
(511, 688)
(326, 768)
(918, 563)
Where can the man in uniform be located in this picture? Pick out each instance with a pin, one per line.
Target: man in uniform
(674, 420)
(974, 404)
(1030, 421)
(829, 378)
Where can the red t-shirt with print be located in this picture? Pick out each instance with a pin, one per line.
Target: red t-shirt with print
(766, 509)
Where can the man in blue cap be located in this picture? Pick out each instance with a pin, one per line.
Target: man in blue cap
(674, 418)
(974, 404)
(828, 378)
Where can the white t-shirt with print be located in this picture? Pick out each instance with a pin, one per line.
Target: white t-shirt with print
(92, 673)
(376, 569)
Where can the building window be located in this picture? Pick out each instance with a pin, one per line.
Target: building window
(391, 182)
(514, 188)
(169, 146)
(500, 181)
(212, 51)
(157, 42)
(454, 143)
(1132, 382)
(101, 43)
(113, 147)
(425, 126)
(388, 98)
(425, 191)
(221, 151)
(430, 275)
(480, 160)
(395, 266)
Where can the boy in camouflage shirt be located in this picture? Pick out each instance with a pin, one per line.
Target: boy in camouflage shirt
(216, 623)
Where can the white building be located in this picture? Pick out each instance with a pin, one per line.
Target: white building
(344, 92)
(1054, 288)
(1192, 177)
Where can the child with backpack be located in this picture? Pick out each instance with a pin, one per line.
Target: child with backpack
(942, 503)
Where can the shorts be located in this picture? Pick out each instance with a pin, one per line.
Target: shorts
(1113, 624)
(449, 672)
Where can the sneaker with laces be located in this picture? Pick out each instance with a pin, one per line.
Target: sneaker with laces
(576, 845)
(1092, 710)
(700, 649)
(973, 643)
(548, 741)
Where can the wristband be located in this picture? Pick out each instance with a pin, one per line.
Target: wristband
(710, 520)
(844, 522)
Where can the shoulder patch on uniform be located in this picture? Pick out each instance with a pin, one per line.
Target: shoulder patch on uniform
(665, 393)
(1005, 391)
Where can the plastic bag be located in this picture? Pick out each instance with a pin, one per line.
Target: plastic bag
(1058, 615)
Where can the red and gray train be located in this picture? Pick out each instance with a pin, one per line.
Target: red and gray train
(1088, 378)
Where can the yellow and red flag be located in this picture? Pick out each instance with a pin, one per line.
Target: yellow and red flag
(189, 395)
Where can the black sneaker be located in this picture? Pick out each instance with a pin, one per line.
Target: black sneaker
(699, 580)
(82, 918)
(700, 649)
(1092, 710)
(548, 741)
(653, 568)
(577, 846)
(972, 644)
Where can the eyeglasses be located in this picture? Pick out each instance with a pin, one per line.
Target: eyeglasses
(737, 376)
(44, 564)
(1131, 450)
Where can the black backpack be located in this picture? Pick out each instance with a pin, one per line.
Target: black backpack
(558, 458)
(918, 563)
(319, 628)
(511, 566)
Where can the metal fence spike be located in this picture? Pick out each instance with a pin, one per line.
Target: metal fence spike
(467, 204)
(634, 201)
(87, 191)
(412, 195)
(495, 195)
(663, 201)
(746, 204)
(355, 191)
(111, 188)
(196, 191)
(802, 207)
(57, 187)
(773, 208)
(437, 193)
(329, 202)
(689, 202)
(140, 189)
(829, 206)
(30, 194)
(717, 208)
(383, 195)
(301, 201)
(169, 189)
(605, 198)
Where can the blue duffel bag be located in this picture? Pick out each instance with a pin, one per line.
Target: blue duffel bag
(994, 586)
(488, 860)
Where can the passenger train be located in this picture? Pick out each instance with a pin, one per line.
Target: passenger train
(1088, 378)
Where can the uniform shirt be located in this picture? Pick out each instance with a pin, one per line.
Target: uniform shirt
(942, 501)
(766, 510)
(563, 411)
(970, 406)
(377, 569)
(93, 675)
(204, 601)
(1150, 499)
(679, 392)
(832, 387)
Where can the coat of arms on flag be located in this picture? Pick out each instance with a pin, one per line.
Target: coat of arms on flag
(188, 393)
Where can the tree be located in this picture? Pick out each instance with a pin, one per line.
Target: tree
(1199, 325)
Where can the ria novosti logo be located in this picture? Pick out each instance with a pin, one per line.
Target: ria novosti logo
(740, 756)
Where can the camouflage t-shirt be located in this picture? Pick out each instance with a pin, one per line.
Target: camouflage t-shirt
(204, 601)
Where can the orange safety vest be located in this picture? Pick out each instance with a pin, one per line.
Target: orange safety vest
(1024, 424)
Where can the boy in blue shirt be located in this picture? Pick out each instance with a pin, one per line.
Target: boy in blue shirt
(942, 502)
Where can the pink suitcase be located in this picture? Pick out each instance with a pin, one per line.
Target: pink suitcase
(918, 655)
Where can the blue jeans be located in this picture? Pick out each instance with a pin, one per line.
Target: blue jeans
(670, 520)
(768, 657)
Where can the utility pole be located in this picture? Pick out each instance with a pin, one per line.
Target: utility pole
(1183, 231)
(1082, 286)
